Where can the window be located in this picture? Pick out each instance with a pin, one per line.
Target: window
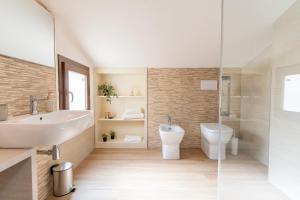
(77, 91)
(291, 97)
(74, 86)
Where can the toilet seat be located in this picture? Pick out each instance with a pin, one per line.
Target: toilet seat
(213, 128)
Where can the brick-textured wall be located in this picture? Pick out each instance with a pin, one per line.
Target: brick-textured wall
(177, 92)
(20, 79)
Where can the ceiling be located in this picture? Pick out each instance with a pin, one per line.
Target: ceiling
(168, 33)
(248, 26)
(143, 33)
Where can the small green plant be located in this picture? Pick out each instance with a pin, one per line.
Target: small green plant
(108, 91)
(112, 134)
(104, 137)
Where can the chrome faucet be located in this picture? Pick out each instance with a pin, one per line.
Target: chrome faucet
(169, 120)
(34, 104)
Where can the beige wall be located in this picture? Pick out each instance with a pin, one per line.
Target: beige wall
(255, 107)
(233, 120)
(177, 92)
(20, 79)
(285, 127)
(250, 103)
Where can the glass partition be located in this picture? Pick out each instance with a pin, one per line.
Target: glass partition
(260, 100)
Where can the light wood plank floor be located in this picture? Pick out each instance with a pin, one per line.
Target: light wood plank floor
(243, 177)
(122, 174)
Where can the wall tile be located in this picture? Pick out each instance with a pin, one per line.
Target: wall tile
(176, 92)
(20, 79)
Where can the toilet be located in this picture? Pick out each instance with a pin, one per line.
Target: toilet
(171, 137)
(210, 133)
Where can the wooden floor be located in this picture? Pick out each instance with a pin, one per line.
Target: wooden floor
(244, 178)
(143, 175)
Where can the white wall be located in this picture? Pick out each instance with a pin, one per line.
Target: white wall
(285, 126)
(67, 46)
(27, 31)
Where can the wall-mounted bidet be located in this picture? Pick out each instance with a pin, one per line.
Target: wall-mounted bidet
(210, 133)
(171, 136)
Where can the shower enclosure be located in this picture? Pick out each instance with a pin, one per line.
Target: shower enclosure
(260, 100)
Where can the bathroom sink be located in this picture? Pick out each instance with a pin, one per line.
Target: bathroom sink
(44, 129)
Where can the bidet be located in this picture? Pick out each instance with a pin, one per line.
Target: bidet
(171, 136)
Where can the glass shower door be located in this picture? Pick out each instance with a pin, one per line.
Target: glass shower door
(260, 100)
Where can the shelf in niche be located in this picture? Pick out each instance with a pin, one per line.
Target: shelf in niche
(125, 81)
(120, 120)
(128, 73)
(123, 97)
(235, 96)
(231, 119)
(119, 140)
(119, 143)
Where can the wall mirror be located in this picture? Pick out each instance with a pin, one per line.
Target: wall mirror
(27, 32)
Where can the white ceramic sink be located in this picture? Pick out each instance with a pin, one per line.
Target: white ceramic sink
(43, 129)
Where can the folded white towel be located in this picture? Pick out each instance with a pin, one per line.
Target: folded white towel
(133, 116)
(133, 111)
(133, 139)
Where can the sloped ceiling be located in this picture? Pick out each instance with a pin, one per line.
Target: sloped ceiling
(168, 33)
(143, 33)
(248, 28)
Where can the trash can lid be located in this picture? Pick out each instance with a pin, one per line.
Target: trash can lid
(62, 167)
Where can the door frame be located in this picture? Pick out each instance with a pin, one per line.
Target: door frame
(65, 64)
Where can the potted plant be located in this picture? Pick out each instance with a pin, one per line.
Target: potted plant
(112, 134)
(104, 137)
(108, 91)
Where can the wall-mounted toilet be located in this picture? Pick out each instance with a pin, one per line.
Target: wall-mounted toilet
(171, 137)
(210, 133)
